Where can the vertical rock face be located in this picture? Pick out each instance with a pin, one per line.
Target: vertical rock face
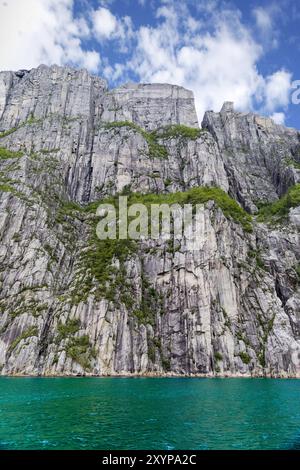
(44, 92)
(150, 106)
(229, 304)
(256, 153)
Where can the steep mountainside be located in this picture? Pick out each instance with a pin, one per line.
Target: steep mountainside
(73, 304)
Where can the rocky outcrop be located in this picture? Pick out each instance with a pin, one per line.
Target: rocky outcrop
(72, 304)
(257, 154)
(150, 105)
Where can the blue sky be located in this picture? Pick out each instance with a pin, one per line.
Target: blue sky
(243, 51)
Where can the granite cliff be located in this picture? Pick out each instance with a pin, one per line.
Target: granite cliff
(72, 304)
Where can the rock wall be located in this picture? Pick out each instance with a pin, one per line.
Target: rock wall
(69, 304)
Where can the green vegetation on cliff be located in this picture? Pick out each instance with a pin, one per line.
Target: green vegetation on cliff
(66, 329)
(31, 120)
(278, 210)
(6, 154)
(246, 359)
(154, 148)
(293, 163)
(31, 331)
(102, 263)
(176, 131)
(81, 351)
(200, 195)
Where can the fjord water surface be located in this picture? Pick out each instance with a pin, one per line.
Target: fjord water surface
(149, 413)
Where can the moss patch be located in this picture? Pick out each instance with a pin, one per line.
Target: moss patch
(278, 211)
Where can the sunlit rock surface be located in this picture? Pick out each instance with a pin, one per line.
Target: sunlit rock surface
(228, 305)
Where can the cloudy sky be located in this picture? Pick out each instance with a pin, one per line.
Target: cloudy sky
(242, 51)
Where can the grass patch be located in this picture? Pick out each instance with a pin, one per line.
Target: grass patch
(259, 262)
(6, 188)
(155, 150)
(293, 163)
(31, 331)
(278, 211)
(32, 307)
(8, 132)
(31, 120)
(77, 348)
(218, 356)
(245, 357)
(16, 237)
(154, 344)
(98, 262)
(230, 208)
(67, 209)
(67, 329)
(6, 154)
(262, 359)
(166, 364)
(167, 182)
(81, 351)
(49, 151)
(150, 304)
(256, 255)
(176, 131)
(96, 270)
(117, 124)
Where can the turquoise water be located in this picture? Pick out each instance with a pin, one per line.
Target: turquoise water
(149, 413)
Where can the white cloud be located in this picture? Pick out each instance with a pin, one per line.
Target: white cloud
(217, 66)
(263, 19)
(277, 90)
(35, 32)
(91, 61)
(106, 26)
(213, 54)
(104, 23)
(216, 59)
(278, 118)
(114, 73)
(266, 22)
